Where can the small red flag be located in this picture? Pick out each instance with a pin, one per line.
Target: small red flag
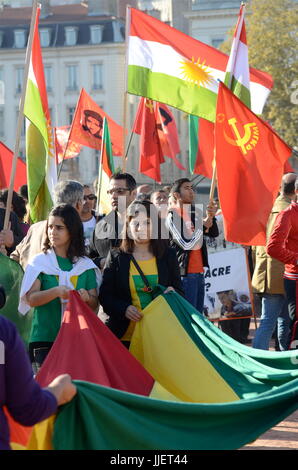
(64, 148)
(168, 134)
(6, 156)
(250, 159)
(150, 149)
(87, 125)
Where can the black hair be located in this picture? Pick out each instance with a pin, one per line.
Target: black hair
(130, 181)
(18, 203)
(24, 191)
(73, 223)
(178, 183)
(158, 245)
(289, 187)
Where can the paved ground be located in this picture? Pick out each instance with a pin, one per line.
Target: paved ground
(284, 436)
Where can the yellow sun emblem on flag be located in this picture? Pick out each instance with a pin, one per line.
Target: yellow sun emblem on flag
(196, 72)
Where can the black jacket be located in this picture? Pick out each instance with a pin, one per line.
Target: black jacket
(178, 241)
(106, 235)
(114, 292)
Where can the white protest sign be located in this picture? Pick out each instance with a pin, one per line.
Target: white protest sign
(227, 292)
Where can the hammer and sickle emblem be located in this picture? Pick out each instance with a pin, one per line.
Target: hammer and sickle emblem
(149, 104)
(240, 141)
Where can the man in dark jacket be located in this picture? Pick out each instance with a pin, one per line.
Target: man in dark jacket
(107, 233)
(187, 228)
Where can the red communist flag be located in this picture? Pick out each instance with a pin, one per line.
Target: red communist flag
(250, 159)
(150, 149)
(86, 128)
(6, 156)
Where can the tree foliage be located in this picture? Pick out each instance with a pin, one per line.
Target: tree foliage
(272, 37)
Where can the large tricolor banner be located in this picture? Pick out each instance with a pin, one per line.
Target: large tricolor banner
(166, 65)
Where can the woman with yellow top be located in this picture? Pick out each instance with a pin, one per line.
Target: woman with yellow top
(132, 271)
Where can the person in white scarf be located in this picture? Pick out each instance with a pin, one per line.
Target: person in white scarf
(51, 275)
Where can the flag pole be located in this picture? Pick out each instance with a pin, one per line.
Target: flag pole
(59, 172)
(127, 31)
(20, 115)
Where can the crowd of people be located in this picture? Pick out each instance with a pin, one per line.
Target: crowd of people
(151, 240)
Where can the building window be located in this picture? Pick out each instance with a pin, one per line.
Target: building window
(97, 76)
(19, 79)
(216, 42)
(71, 36)
(70, 113)
(1, 38)
(48, 73)
(19, 38)
(96, 34)
(45, 37)
(72, 77)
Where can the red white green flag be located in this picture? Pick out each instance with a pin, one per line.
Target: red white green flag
(168, 66)
(40, 154)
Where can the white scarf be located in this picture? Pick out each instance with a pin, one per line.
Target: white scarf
(47, 263)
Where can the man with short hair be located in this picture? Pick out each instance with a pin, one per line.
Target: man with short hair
(267, 279)
(87, 215)
(283, 245)
(65, 192)
(187, 227)
(107, 233)
(160, 199)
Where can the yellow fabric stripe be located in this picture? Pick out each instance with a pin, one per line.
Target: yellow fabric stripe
(41, 437)
(160, 393)
(161, 344)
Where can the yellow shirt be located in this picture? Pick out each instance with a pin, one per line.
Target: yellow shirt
(140, 298)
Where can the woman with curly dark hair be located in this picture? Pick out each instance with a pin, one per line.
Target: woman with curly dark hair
(132, 272)
(51, 275)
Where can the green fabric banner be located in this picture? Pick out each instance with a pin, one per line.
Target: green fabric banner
(103, 418)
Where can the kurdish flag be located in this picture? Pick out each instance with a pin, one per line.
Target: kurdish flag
(166, 65)
(229, 393)
(107, 168)
(237, 79)
(40, 153)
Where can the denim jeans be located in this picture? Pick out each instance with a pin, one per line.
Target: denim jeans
(194, 288)
(274, 312)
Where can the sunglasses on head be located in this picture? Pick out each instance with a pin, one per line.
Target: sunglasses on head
(91, 197)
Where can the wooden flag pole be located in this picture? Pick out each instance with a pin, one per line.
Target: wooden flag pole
(20, 115)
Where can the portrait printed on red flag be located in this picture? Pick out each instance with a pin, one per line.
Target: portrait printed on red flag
(92, 122)
(87, 126)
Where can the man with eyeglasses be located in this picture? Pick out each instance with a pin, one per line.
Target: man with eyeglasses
(87, 215)
(107, 233)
